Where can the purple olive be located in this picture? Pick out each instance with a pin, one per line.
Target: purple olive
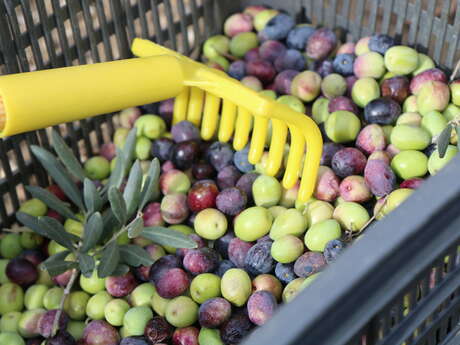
(21, 272)
(158, 330)
(120, 286)
(214, 312)
(202, 260)
(261, 307)
(174, 282)
(309, 263)
(99, 332)
(45, 324)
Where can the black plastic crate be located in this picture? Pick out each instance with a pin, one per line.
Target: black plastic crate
(409, 258)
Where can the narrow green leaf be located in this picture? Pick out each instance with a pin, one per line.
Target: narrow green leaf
(56, 264)
(167, 237)
(56, 232)
(61, 256)
(120, 270)
(59, 174)
(144, 190)
(457, 130)
(67, 157)
(31, 222)
(132, 192)
(93, 200)
(129, 147)
(118, 205)
(109, 260)
(58, 267)
(151, 183)
(51, 201)
(86, 264)
(135, 227)
(93, 231)
(135, 256)
(155, 192)
(110, 223)
(443, 140)
(123, 163)
(118, 173)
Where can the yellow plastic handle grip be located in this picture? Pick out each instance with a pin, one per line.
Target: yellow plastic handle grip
(141, 47)
(40, 99)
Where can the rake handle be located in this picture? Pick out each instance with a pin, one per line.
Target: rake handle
(40, 99)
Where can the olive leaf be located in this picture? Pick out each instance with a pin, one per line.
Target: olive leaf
(151, 183)
(67, 157)
(118, 173)
(118, 205)
(56, 268)
(110, 222)
(59, 256)
(109, 260)
(56, 263)
(92, 232)
(57, 171)
(443, 140)
(135, 227)
(167, 237)
(135, 256)
(129, 147)
(123, 161)
(51, 201)
(86, 264)
(120, 270)
(132, 192)
(31, 222)
(93, 200)
(55, 231)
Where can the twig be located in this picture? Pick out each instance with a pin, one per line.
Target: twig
(120, 232)
(229, 57)
(114, 237)
(68, 287)
(348, 236)
(366, 224)
(226, 55)
(18, 230)
(372, 218)
(454, 73)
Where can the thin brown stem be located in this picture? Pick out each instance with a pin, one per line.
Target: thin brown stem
(454, 73)
(226, 55)
(366, 224)
(67, 289)
(114, 237)
(372, 218)
(120, 232)
(18, 230)
(348, 236)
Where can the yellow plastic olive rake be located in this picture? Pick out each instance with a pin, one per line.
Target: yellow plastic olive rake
(34, 100)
